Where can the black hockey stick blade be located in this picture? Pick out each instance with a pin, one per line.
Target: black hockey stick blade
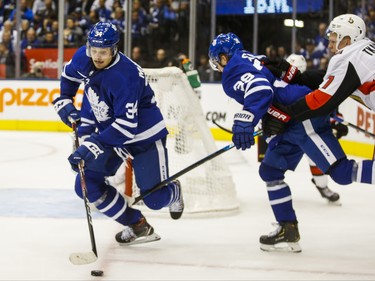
(83, 258)
(187, 169)
(338, 119)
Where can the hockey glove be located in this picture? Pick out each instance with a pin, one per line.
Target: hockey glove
(88, 151)
(66, 110)
(339, 129)
(274, 122)
(281, 69)
(243, 130)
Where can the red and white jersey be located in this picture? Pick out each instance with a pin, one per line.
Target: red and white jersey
(351, 72)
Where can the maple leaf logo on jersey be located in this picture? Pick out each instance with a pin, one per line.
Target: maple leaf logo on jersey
(99, 108)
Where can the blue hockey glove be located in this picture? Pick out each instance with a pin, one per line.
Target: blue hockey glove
(243, 130)
(66, 110)
(88, 152)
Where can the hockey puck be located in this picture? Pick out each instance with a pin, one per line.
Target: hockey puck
(97, 272)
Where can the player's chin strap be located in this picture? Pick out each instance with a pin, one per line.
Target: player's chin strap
(187, 169)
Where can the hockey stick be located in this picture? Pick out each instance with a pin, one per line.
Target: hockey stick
(187, 169)
(221, 127)
(87, 257)
(338, 119)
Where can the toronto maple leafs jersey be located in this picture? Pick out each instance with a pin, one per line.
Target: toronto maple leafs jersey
(251, 84)
(118, 102)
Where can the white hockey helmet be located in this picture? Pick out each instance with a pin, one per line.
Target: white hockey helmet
(298, 61)
(347, 25)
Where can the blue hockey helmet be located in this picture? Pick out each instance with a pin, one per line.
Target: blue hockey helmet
(104, 35)
(225, 44)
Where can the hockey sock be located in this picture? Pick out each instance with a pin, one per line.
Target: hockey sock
(365, 172)
(280, 198)
(113, 205)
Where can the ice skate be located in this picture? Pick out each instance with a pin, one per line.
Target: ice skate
(138, 233)
(177, 208)
(284, 239)
(327, 193)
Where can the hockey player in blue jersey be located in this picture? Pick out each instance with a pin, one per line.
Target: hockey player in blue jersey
(245, 79)
(119, 118)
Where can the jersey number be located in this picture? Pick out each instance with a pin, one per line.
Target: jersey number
(330, 79)
(132, 109)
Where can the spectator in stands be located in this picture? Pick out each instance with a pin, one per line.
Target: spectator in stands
(139, 30)
(142, 13)
(96, 4)
(82, 21)
(7, 59)
(204, 68)
(92, 18)
(55, 28)
(26, 13)
(7, 40)
(159, 36)
(160, 60)
(40, 6)
(104, 12)
(45, 14)
(321, 42)
(118, 19)
(170, 17)
(72, 5)
(25, 25)
(299, 50)
(46, 26)
(49, 40)
(149, 24)
(31, 41)
(137, 56)
(311, 54)
(281, 52)
(8, 27)
(271, 52)
(117, 4)
(35, 72)
(6, 8)
(73, 34)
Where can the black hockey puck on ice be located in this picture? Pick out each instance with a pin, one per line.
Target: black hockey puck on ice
(97, 272)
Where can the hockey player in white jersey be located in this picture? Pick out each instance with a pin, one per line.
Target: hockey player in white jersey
(119, 118)
(350, 72)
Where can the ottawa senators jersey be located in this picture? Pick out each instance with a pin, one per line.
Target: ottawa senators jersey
(350, 72)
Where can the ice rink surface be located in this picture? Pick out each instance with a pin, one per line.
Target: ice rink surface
(42, 222)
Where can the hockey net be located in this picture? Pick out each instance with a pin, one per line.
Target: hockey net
(208, 188)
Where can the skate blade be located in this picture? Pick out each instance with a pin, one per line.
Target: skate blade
(282, 247)
(141, 240)
(334, 203)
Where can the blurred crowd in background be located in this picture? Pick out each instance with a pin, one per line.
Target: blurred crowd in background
(160, 30)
